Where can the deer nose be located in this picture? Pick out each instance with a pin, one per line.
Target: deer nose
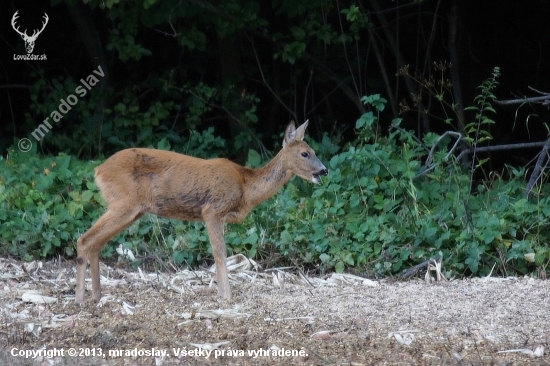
(323, 171)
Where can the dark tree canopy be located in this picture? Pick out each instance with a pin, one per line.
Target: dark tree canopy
(175, 68)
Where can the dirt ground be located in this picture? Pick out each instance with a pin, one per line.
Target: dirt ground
(276, 317)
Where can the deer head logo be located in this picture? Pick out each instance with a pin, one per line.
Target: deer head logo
(29, 40)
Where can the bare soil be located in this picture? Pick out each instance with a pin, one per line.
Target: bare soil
(276, 317)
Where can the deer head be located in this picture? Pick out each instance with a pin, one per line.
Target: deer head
(29, 40)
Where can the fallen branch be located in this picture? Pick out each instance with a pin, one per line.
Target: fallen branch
(537, 171)
(420, 267)
(522, 145)
(429, 167)
(540, 165)
(544, 99)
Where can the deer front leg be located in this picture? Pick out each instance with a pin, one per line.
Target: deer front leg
(214, 226)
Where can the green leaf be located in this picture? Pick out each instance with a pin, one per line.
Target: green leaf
(254, 159)
(87, 195)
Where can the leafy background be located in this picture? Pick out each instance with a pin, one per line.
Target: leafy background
(400, 98)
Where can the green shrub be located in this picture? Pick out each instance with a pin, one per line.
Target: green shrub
(45, 203)
(375, 213)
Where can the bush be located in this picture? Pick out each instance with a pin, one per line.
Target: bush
(375, 212)
(45, 203)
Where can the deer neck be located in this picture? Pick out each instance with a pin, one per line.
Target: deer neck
(264, 182)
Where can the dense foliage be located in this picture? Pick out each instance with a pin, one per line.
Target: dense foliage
(377, 212)
(388, 116)
(247, 67)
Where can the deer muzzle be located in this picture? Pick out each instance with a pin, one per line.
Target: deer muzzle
(316, 176)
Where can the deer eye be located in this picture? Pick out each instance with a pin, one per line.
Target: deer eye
(305, 154)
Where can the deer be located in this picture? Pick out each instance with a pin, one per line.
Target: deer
(29, 40)
(137, 181)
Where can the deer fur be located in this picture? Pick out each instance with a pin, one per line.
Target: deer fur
(138, 181)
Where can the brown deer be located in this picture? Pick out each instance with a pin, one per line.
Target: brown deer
(138, 181)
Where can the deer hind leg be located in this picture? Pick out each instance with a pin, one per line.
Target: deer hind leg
(89, 245)
(214, 226)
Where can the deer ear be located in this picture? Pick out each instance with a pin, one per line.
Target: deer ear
(290, 133)
(301, 131)
(294, 134)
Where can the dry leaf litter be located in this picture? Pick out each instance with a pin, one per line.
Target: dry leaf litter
(338, 319)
